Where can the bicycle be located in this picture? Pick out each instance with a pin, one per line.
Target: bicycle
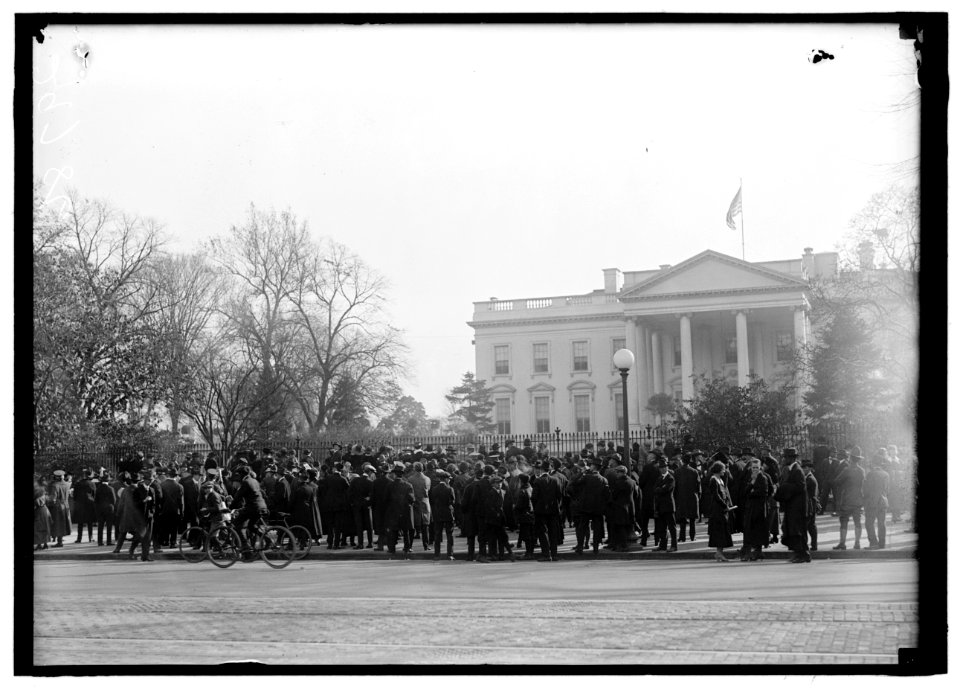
(302, 535)
(193, 542)
(274, 544)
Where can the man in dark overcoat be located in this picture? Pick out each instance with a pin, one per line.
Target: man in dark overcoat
(443, 500)
(303, 507)
(849, 489)
(664, 507)
(191, 498)
(876, 486)
(594, 495)
(491, 500)
(755, 505)
(359, 494)
(547, 500)
(379, 497)
(84, 498)
(470, 509)
(105, 507)
(688, 495)
(792, 496)
(142, 508)
(813, 500)
(398, 516)
(171, 509)
(621, 512)
(649, 475)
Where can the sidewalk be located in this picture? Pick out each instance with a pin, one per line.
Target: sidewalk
(901, 544)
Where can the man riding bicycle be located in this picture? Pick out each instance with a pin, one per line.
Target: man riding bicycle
(249, 503)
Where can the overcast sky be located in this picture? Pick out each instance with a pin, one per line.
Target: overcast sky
(469, 162)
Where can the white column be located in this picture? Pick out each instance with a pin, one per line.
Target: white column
(648, 345)
(799, 342)
(756, 346)
(641, 369)
(743, 359)
(686, 357)
(657, 362)
(633, 395)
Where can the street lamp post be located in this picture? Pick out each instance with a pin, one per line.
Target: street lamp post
(623, 359)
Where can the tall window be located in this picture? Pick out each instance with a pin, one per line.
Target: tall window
(502, 412)
(581, 361)
(541, 414)
(618, 403)
(730, 350)
(541, 358)
(581, 412)
(784, 346)
(501, 360)
(618, 344)
(676, 352)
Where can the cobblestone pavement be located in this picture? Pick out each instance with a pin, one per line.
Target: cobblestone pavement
(453, 613)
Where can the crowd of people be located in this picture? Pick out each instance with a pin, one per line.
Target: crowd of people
(504, 501)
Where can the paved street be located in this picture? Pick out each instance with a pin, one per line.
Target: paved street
(578, 612)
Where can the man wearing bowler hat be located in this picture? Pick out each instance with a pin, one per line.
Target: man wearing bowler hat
(813, 499)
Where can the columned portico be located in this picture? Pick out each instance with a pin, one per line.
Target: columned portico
(686, 358)
(743, 357)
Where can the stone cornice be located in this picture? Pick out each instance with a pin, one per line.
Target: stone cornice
(713, 293)
(540, 321)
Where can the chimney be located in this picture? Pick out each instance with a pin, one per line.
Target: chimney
(664, 266)
(866, 253)
(612, 280)
(808, 264)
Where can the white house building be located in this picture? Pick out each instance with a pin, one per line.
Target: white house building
(548, 360)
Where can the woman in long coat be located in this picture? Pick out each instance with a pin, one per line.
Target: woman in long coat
(132, 519)
(304, 509)
(59, 505)
(398, 516)
(718, 505)
(41, 516)
(756, 524)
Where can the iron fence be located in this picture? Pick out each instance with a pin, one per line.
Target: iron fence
(869, 436)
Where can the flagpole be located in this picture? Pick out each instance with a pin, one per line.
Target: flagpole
(743, 246)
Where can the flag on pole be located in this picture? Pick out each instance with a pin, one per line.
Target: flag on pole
(735, 209)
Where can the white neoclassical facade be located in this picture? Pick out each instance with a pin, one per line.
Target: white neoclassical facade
(549, 360)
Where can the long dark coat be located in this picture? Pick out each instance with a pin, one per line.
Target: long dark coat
(594, 494)
(304, 510)
(470, 508)
(523, 507)
(105, 502)
(400, 499)
(663, 502)
(60, 524)
(191, 499)
(718, 502)
(875, 489)
(421, 507)
(133, 519)
(547, 495)
(491, 501)
(379, 498)
(687, 493)
(649, 476)
(756, 522)
(443, 500)
(84, 498)
(849, 488)
(621, 508)
(172, 504)
(792, 495)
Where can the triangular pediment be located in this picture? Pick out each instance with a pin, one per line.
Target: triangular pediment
(711, 271)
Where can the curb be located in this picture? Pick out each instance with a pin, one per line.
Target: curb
(904, 554)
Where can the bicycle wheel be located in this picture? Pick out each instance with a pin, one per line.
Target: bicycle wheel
(302, 539)
(193, 544)
(223, 546)
(277, 546)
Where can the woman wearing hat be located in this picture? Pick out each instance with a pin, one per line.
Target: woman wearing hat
(41, 516)
(719, 506)
(756, 524)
